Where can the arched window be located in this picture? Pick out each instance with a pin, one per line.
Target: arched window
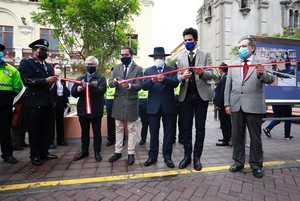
(291, 19)
(209, 11)
(296, 18)
(244, 3)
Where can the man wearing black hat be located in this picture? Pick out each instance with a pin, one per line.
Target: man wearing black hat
(161, 104)
(10, 86)
(40, 81)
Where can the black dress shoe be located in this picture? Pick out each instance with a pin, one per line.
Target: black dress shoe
(62, 143)
(98, 157)
(267, 132)
(150, 161)
(236, 168)
(52, 146)
(115, 157)
(51, 156)
(197, 164)
(184, 163)
(109, 143)
(222, 144)
(130, 160)
(258, 173)
(170, 163)
(36, 161)
(10, 159)
(80, 156)
(142, 142)
(220, 140)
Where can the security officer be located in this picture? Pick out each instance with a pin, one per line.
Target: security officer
(143, 96)
(111, 125)
(10, 86)
(38, 77)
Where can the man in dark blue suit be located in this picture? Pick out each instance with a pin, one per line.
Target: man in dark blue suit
(161, 104)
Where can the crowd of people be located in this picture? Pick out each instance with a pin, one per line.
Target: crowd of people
(176, 98)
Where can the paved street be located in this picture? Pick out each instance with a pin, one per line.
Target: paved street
(64, 179)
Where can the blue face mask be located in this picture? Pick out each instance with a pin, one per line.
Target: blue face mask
(189, 45)
(1, 55)
(91, 69)
(243, 52)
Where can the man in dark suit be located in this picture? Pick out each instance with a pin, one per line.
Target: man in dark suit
(245, 102)
(38, 77)
(194, 95)
(225, 119)
(161, 104)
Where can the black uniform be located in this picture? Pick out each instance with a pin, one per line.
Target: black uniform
(39, 102)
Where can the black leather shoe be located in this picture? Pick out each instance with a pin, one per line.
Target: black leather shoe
(10, 159)
(142, 142)
(80, 156)
(52, 146)
(267, 132)
(150, 161)
(130, 160)
(197, 164)
(184, 163)
(98, 157)
(51, 156)
(220, 140)
(222, 144)
(258, 173)
(62, 143)
(115, 157)
(109, 143)
(170, 163)
(236, 168)
(36, 161)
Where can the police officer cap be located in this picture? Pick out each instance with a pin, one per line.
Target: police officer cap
(2, 47)
(42, 43)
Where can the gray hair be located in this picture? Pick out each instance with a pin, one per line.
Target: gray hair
(93, 59)
(252, 43)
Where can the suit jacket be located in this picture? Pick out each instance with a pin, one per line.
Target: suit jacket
(203, 58)
(219, 96)
(34, 75)
(161, 94)
(247, 95)
(125, 105)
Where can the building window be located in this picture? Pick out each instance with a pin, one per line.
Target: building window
(133, 42)
(47, 34)
(209, 11)
(296, 18)
(244, 3)
(6, 36)
(291, 19)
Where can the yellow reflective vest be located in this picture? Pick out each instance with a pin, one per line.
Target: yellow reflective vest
(143, 94)
(110, 91)
(10, 79)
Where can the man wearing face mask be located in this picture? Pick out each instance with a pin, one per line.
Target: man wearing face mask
(10, 86)
(62, 103)
(97, 90)
(244, 100)
(194, 95)
(38, 77)
(125, 105)
(161, 104)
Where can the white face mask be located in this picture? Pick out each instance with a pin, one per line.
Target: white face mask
(57, 71)
(159, 63)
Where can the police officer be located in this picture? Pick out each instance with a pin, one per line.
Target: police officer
(111, 125)
(143, 96)
(10, 86)
(38, 77)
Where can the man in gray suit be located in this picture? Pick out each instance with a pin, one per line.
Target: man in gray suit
(194, 96)
(245, 102)
(125, 105)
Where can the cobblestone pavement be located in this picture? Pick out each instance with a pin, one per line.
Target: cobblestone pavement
(64, 179)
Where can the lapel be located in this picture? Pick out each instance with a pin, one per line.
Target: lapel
(130, 70)
(198, 55)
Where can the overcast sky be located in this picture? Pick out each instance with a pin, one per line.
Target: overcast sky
(170, 18)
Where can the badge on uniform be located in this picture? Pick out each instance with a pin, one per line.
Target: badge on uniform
(6, 72)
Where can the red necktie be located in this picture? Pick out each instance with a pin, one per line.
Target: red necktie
(245, 69)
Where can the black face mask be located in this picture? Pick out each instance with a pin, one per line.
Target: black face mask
(126, 60)
(91, 69)
(43, 55)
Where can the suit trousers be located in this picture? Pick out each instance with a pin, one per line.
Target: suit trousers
(225, 121)
(59, 120)
(193, 105)
(168, 121)
(40, 125)
(241, 120)
(111, 126)
(144, 118)
(5, 134)
(131, 125)
(85, 133)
